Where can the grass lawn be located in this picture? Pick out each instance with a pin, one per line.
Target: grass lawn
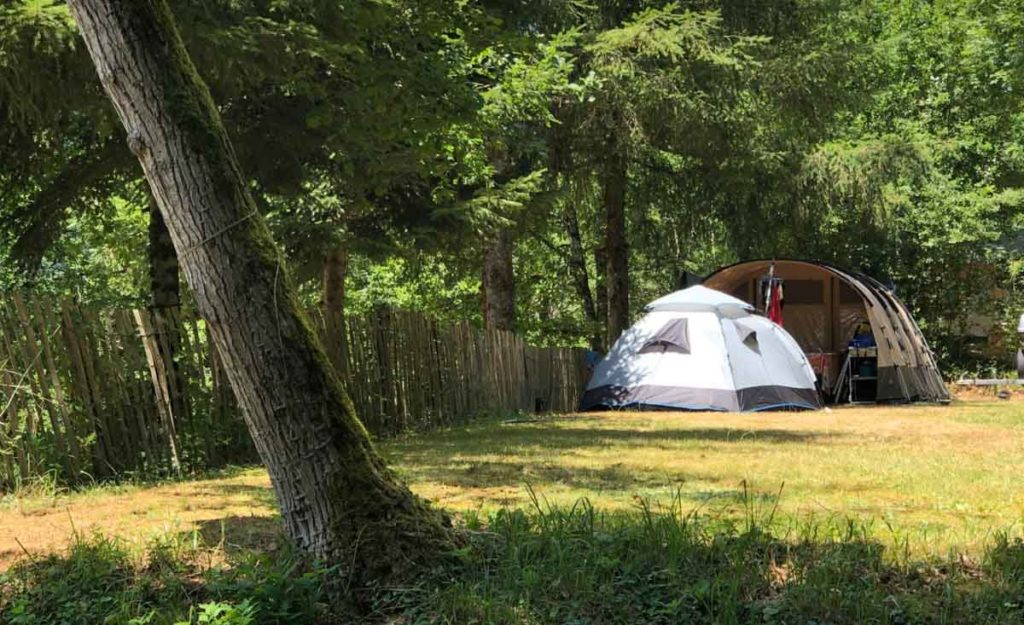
(925, 478)
(932, 491)
(932, 476)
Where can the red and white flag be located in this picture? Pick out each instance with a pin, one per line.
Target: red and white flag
(773, 303)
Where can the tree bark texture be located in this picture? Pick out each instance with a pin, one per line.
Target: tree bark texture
(499, 283)
(338, 499)
(333, 283)
(615, 247)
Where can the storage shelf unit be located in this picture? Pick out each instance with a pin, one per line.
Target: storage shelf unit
(860, 389)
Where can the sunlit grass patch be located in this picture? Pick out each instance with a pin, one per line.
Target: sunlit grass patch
(936, 476)
(927, 478)
(39, 522)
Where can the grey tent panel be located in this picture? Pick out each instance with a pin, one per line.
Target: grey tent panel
(747, 333)
(752, 399)
(678, 397)
(673, 336)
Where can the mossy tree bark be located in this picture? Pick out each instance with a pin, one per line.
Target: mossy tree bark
(333, 277)
(338, 498)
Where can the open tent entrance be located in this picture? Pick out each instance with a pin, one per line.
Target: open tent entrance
(858, 336)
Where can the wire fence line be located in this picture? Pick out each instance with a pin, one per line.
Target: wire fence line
(94, 394)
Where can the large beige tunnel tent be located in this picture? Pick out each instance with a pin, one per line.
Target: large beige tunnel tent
(823, 307)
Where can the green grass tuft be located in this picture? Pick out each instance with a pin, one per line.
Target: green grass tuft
(104, 581)
(662, 565)
(543, 565)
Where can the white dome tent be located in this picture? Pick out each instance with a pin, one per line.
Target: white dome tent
(700, 349)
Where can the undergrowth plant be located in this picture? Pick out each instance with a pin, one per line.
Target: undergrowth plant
(174, 580)
(654, 564)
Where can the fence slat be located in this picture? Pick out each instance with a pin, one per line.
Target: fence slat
(41, 395)
(103, 393)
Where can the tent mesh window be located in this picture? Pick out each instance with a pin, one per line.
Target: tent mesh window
(805, 292)
(849, 295)
(671, 337)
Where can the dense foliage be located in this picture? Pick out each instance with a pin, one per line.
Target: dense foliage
(884, 135)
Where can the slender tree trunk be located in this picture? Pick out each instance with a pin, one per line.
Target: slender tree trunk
(164, 271)
(601, 289)
(333, 282)
(561, 163)
(338, 499)
(615, 247)
(580, 277)
(499, 283)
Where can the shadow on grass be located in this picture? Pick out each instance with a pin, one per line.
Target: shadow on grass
(551, 434)
(542, 567)
(244, 534)
(262, 495)
(491, 474)
(491, 438)
(433, 457)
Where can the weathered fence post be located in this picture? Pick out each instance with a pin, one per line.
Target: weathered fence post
(162, 385)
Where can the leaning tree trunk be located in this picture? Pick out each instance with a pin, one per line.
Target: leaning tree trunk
(499, 283)
(615, 248)
(333, 283)
(338, 498)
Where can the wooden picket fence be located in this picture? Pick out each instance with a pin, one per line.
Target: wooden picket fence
(91, 394)
(406, 371)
